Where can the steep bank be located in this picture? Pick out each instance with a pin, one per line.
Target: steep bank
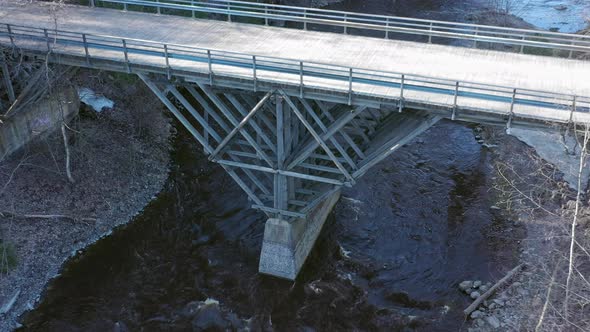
(119, 163)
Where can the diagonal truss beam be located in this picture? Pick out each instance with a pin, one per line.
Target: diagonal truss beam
(223, 108)
(240, 125)
(332, 130)
(317, 137)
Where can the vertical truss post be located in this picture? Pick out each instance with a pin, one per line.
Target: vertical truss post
(401, 94)
(280, 180)
(455, 100)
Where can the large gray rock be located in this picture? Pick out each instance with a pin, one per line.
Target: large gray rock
(493, 321)
(209, 316)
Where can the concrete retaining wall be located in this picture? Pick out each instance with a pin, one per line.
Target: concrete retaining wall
(36, 120)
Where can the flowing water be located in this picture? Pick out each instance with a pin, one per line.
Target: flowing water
(389, 257)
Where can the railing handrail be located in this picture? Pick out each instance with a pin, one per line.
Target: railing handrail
(436, 28)
(133, 46)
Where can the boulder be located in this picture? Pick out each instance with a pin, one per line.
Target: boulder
(465, 285)
(493, 321)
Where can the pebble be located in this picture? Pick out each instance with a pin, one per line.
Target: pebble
(499, 302)
(475, 295)
(476, 284)
(483, 288)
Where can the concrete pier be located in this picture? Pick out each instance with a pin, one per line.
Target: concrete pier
(286, 245)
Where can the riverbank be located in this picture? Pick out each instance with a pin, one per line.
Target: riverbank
(120, 160)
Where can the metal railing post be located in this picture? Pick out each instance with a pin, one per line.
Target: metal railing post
(345, 21)
(301, 79)
(350, 87)
(125, 7)
(455, 101)
(305, 19)
(228, 12)
(266, 15)
(572, 111)
(401, 94)
(509, 124)
(254, 73)
(47, 40)
(86, 48)
(9, 29)
(210, 67)
(168, 69)
(387, 28)
(522, 45)
(126, 55)
(571, 54)
(158, 7)
(476, 35)
(430, 34)
(192, 11)
(91, 3)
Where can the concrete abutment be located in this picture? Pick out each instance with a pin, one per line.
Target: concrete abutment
(287, 244)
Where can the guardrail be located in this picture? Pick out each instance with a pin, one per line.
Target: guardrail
(131, 52)
(525, 40)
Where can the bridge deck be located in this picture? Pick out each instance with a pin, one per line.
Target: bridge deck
(457, 63)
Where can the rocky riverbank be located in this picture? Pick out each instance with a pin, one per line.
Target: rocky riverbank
(119, 163)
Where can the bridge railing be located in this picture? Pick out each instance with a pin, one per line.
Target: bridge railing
(133, 53)
(522, 40)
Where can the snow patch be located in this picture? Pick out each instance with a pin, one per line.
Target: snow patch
(549, 146)
(97, 102)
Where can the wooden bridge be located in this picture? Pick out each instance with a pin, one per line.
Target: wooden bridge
(295, 103)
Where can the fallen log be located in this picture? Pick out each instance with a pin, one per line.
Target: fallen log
(490, 291)
(43, 216)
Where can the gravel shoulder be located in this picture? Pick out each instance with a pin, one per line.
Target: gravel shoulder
(120, 161)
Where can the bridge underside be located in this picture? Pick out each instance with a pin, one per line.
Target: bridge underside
(290, 155)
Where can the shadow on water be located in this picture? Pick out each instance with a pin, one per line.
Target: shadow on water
(389, 257)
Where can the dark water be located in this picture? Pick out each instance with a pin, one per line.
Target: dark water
(413, 228)
(389, 257)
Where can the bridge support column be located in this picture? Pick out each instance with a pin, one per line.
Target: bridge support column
(287, 244)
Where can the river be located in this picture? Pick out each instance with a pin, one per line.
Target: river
(389, 257)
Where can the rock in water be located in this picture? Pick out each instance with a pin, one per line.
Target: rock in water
(465, 285)
(474, 295)
(209, 317)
